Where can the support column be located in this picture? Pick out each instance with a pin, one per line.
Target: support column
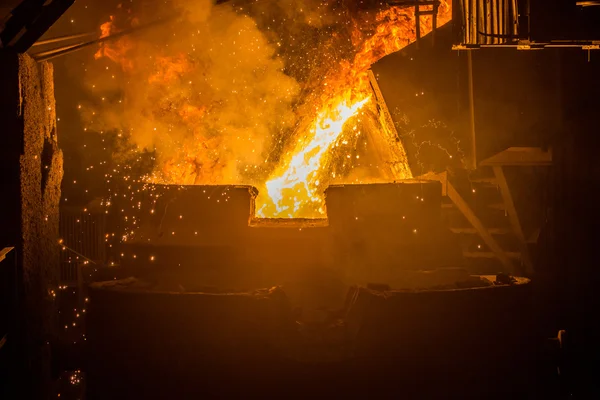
(31, 170)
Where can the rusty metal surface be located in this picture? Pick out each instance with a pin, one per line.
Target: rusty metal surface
(4, 252)
(387, 143)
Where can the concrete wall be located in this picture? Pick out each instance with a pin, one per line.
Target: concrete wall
(31, 166)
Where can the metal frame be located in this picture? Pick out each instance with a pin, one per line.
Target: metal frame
(529, 45)
(505, 24)
(486, 235)
(417, 4)
(387, 144)
(516, 157)
(490, 22)
(513, 217)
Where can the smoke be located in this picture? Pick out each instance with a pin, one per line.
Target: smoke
(226, 92)
(207, 95)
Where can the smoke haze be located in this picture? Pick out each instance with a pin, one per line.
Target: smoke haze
(207, 95)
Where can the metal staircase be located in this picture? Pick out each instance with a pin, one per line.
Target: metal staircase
(482, 212)
(480, 209)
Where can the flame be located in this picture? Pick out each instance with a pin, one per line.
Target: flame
(118, 50)
(290, 190)
(169, 69)
(296, 189)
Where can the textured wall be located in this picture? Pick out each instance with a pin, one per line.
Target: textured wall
(31, 175)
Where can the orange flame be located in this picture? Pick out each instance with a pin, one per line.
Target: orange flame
(169, 69)
(116, 51)
(295, 190)
(298, 184)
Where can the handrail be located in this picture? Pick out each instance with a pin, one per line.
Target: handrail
(4, 252)
(61, 243)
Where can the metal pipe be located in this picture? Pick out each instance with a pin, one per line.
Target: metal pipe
(503, 11)
(515, 18)
(496, 36)
(61, 51)
(472, 111)
(488, 19)
(63, 38)
(467, 15)
(481, 20)
(534, 46)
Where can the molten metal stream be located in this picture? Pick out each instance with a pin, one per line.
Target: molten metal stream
(296, 188)
(290, 189)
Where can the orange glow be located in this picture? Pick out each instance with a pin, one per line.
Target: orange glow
(118, 49)
(168, 69)
(296, 188)
(216, 131)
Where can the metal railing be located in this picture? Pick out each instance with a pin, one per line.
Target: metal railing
(489, 21)
(507, 23)
(82, 241)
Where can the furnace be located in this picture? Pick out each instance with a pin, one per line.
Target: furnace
(369, 234)
(381, 277)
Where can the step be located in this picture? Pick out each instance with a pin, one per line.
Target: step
(473, 231)
(497, 206)
(491, 180)
(519, 156)
(489, 254)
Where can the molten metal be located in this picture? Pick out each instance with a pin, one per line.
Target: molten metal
(295, 192)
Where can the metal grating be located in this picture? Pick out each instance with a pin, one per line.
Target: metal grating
(489, 22)
(82, 235)
(508, 23)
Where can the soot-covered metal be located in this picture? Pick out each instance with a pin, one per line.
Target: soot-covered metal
(380, 280)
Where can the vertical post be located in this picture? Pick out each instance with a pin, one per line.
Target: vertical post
(473, 22)
(435, 8)
(472, 111)
(80, 291)
(467, 21)
(515, 19)
(418, 23)
(489, 20)
(30, 177)
(502, 18)
(513, 217)
(480, 21)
